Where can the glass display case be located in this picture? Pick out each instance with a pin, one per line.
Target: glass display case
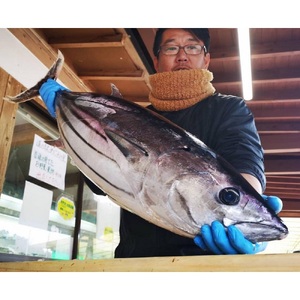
(41, 221)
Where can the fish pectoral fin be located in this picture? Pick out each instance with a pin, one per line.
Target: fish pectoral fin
(127, 147)
(58, 143)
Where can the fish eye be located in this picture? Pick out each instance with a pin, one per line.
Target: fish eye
(229, 196)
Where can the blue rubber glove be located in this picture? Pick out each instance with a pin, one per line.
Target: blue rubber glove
(216, 239)
(273, 202)
(48, 93)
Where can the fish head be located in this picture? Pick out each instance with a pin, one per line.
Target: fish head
(201, 188)
(214, 196)
(249, 212)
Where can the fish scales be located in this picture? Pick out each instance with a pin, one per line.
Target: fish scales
(154, 168)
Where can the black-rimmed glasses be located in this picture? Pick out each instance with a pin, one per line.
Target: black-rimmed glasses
(188, 49)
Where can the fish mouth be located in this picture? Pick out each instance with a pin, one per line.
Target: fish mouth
(259, 231)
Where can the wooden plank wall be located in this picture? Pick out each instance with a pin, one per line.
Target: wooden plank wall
(8, 86)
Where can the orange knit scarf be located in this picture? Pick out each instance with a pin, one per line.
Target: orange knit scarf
(181, 89)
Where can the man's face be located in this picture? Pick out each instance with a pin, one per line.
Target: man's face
(180, 61)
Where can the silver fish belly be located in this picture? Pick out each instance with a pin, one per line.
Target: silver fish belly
(157, 170)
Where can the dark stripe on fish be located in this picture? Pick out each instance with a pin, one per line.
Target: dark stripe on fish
(119, 142)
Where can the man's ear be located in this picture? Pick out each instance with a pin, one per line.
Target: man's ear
(207, 60)
(155, 63)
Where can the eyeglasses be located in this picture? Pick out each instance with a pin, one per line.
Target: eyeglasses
(188, 49)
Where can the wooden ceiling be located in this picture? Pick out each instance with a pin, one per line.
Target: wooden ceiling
(97, 57)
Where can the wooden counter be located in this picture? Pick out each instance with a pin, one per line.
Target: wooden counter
(227, 263)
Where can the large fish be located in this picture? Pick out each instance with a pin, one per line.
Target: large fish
(155, 169)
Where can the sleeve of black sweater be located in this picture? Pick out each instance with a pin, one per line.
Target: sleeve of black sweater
(238, 141)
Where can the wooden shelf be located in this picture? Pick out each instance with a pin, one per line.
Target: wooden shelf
(229, 263)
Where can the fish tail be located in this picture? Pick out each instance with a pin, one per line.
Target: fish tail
(34, 91)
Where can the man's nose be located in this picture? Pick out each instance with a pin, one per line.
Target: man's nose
(181, 55)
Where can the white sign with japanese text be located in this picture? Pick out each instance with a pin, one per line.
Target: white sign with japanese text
(48, 163)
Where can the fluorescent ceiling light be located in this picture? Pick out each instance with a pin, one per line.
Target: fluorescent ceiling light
(245, 61)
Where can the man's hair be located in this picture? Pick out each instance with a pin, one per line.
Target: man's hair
(201, 33)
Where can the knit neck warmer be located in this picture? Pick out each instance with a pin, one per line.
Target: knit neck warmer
(176, 90)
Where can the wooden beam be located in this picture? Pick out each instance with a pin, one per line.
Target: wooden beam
(287, 179)
(291, 204)
(8, 86)
(286, 193)
(115, 41)
(258, 77)
(47, 55)
(281, 142)
(265, 50)
(275, 109)
(282, 164)
(271, 50)
(112, 78)
(289, 214)
(276, 91)
(98, 75)
(284, 185)
(135, 56)
(269, 124)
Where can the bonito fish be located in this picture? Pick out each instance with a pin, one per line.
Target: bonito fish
(155, 169)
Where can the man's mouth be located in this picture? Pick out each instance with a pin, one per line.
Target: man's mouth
(181, 68)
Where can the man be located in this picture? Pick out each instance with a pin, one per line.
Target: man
(182, 92)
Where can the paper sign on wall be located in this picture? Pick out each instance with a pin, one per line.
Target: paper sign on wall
(66, 207)
(48, 163)
(36, 206)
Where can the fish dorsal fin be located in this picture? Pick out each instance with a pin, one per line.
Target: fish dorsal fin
(115, 91)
